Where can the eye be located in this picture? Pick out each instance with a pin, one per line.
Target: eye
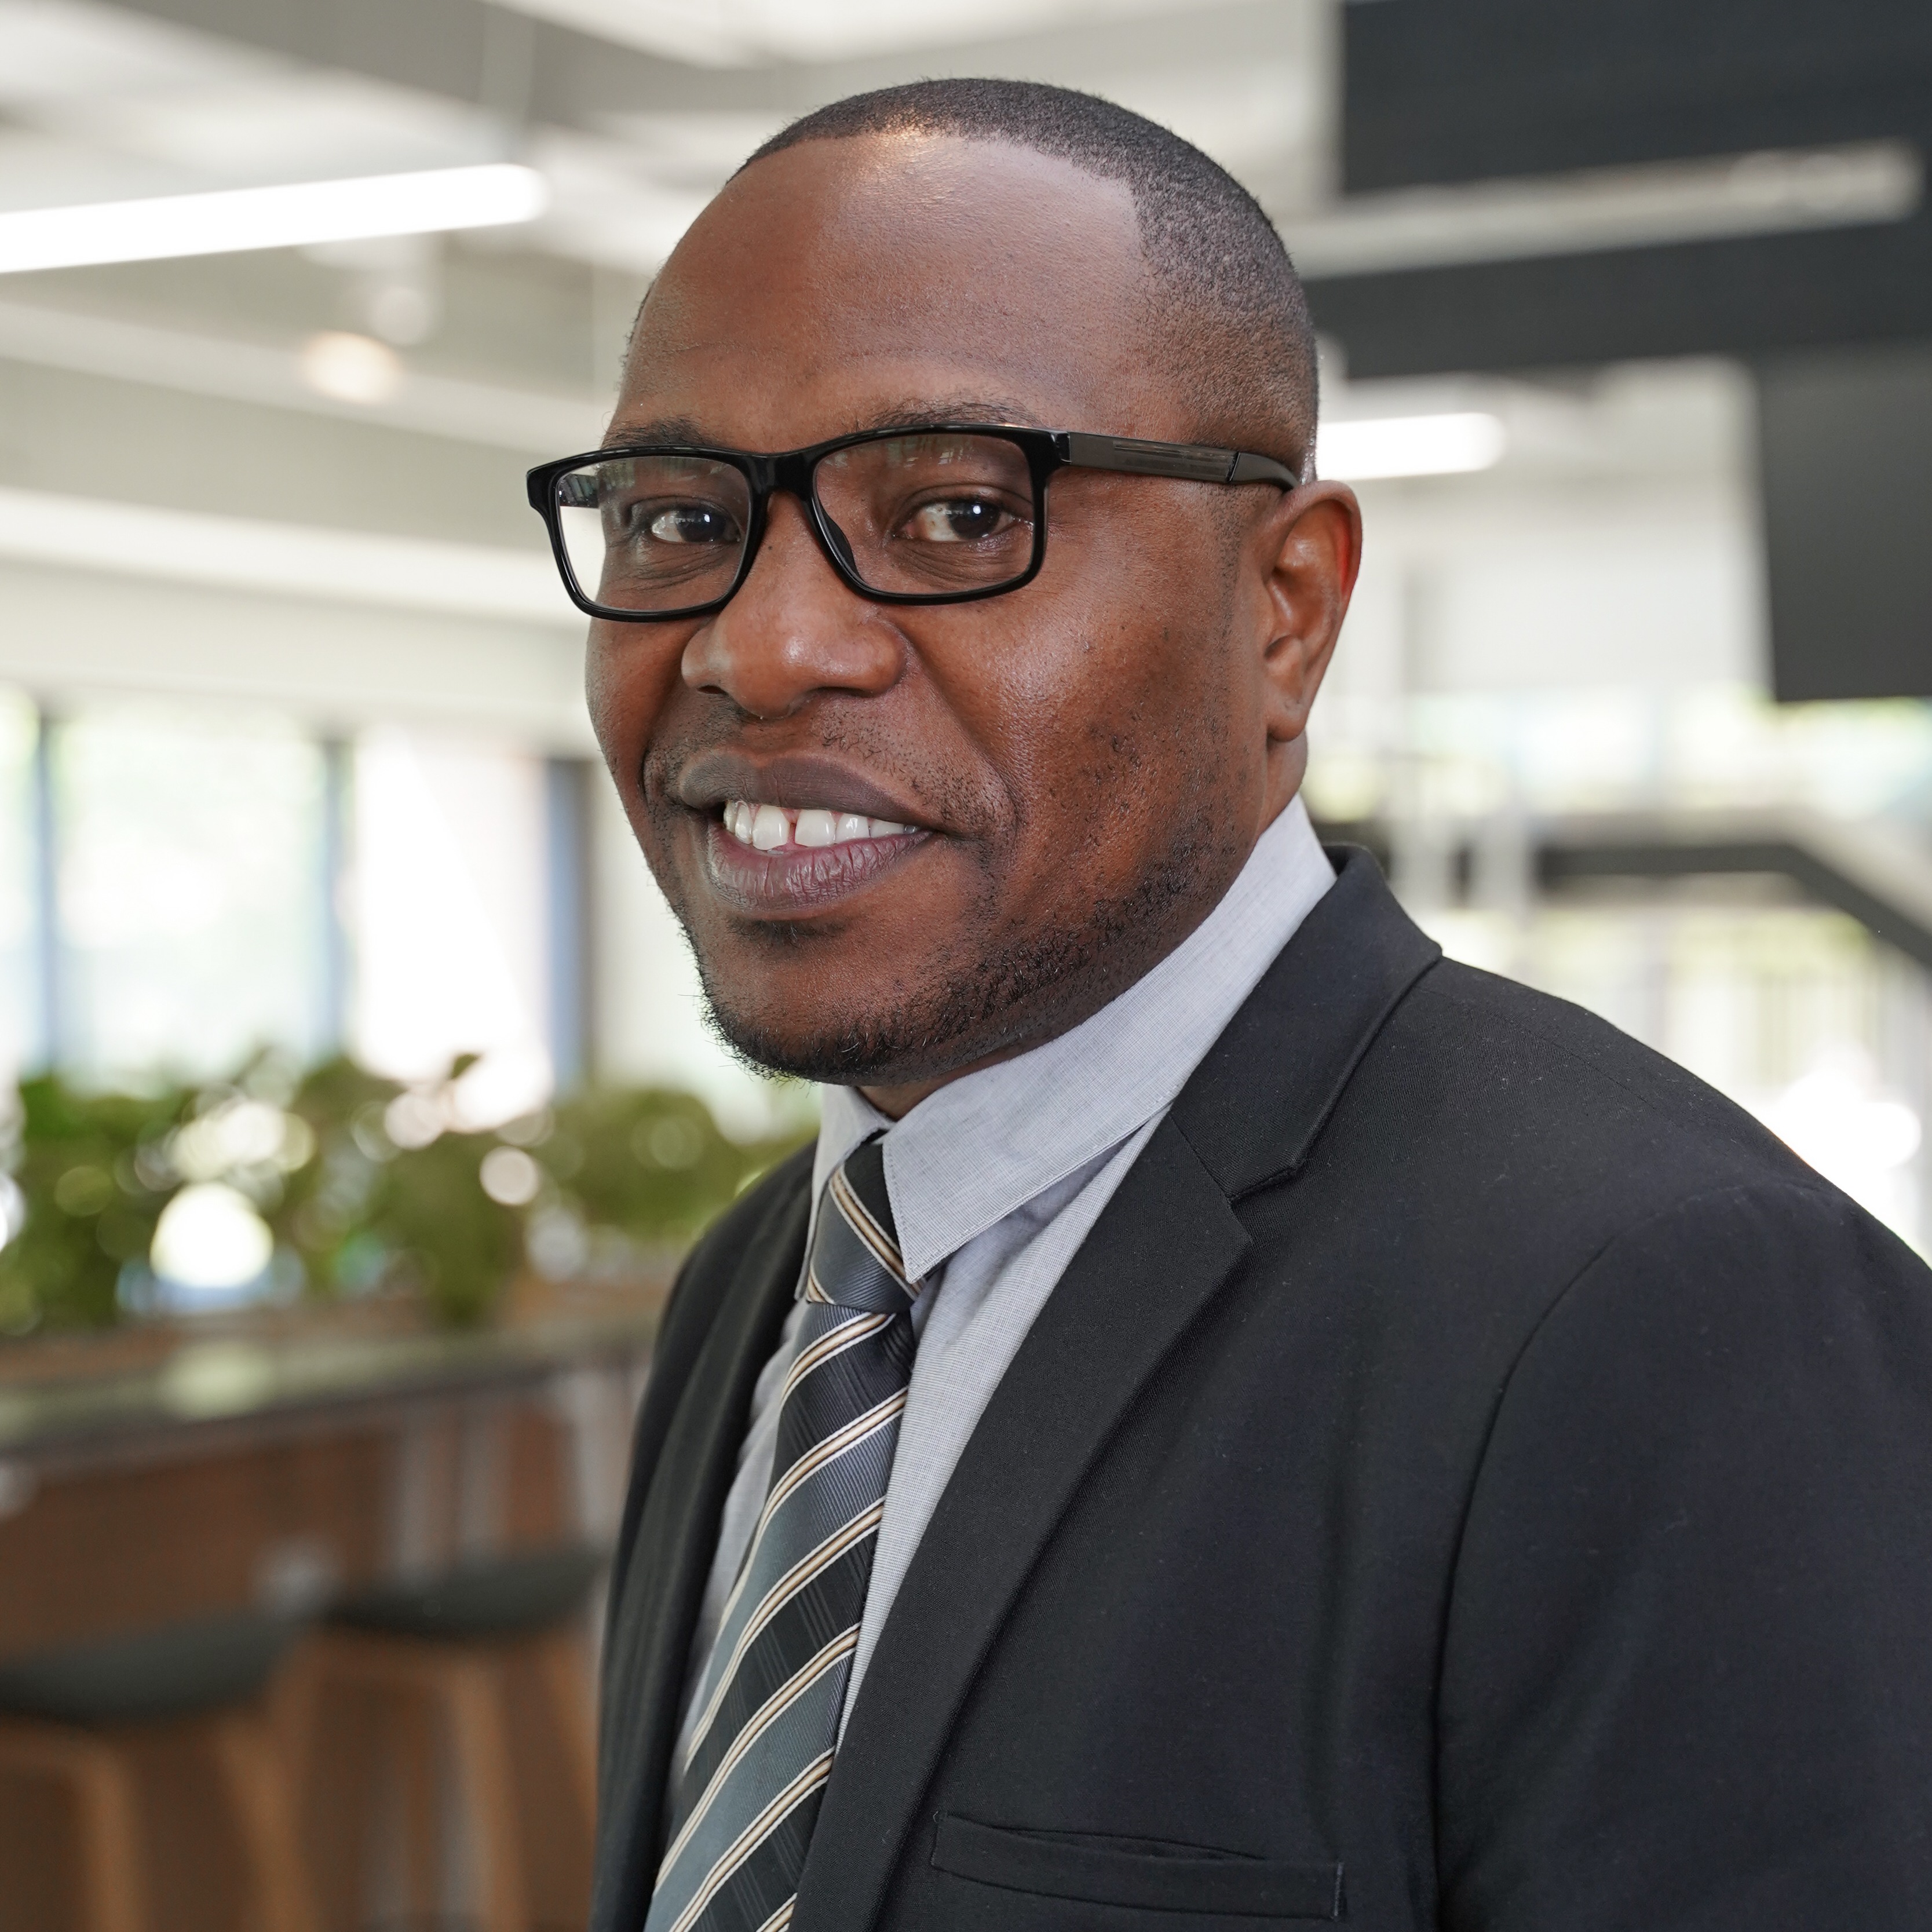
(958, 519)
(689, 523)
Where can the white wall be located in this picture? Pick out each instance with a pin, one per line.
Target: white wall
(66, 636)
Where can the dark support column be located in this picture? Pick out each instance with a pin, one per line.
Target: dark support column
(49, 953)
(337, 965)
(567, 783)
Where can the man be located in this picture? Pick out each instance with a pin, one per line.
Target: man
(1237, 1419)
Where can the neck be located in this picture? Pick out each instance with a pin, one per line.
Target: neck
(897, 1098)
(895, 1102)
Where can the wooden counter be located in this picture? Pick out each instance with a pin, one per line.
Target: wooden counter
(161, 1472)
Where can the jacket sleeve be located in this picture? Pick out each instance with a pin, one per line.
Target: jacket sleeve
(1687, 1673)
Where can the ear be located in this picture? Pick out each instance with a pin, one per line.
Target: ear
(1307, 553)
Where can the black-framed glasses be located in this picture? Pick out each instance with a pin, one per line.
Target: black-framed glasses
(940, 514)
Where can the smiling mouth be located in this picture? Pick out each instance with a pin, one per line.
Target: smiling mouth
(788, 862)
(783, 828)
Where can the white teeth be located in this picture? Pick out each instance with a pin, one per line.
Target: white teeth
(769, 828)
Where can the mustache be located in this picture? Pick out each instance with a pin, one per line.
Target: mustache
(699, 740)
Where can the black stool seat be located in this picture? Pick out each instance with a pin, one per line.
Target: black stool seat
(176, 1670)
(507, 1596)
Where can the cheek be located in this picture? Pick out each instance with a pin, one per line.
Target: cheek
(630, 676)
(1129, 681)
(1101, 726)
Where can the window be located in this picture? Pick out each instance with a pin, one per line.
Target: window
(447, 900)
(189, 853)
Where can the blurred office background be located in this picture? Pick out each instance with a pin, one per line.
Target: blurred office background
(1626, 321)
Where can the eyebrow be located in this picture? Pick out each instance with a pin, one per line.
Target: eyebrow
(915, 413)
(665, 429)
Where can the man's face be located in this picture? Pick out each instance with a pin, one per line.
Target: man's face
(1081, 763)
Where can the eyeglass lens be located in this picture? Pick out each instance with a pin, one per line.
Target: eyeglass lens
(928, 514)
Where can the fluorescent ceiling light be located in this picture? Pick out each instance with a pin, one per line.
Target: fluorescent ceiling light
(290, 560)
(1612, 207)
(233, 219)
(1432, 445)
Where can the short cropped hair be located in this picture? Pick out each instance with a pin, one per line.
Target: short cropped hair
(1245, 353)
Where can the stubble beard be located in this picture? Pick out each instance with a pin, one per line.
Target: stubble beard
(1000, 994)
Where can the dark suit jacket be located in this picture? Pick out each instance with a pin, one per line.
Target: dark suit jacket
(1472, 1476)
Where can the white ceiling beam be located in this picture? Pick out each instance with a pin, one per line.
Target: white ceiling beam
(121, 539)
(756, 33)
(74, 638)
(1612, 207)
(529, 422)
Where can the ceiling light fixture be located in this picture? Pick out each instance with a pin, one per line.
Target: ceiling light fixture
(351, 368)
(1446, 444)
(230, 220)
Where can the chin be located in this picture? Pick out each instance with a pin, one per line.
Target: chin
(961, 1018)
(838, 1050)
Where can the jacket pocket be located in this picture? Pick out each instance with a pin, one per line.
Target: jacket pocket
(1133, 1873)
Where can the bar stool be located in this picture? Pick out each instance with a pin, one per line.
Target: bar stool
(436, 1653)
(72, 1718)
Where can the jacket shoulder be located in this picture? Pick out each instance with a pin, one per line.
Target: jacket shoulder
(1492, 1143)
(1507, 1059)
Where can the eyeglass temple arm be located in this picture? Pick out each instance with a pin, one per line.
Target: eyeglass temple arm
(1197, 463)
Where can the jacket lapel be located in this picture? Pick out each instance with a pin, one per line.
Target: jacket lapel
(1264, 1091)
(1166, 1242)
(665, 1566)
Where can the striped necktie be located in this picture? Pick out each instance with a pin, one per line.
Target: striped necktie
(768, 1704)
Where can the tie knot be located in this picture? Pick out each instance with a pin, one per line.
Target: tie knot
(855, 1250)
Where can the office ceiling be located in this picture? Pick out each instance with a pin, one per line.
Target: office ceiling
(100, 101)
(193, 387)
(635, 111)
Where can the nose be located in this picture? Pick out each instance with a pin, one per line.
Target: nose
(794, 630)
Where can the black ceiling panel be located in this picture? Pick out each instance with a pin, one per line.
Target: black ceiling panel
(1752, 295)
(1446, 91)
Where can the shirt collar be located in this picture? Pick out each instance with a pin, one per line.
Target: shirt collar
(967, 1156)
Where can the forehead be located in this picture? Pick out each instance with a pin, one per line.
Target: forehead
(841, 282)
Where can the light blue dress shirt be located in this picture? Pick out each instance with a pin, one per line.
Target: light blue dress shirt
(995, 1181)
